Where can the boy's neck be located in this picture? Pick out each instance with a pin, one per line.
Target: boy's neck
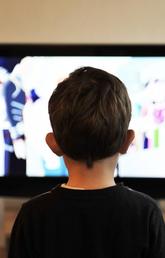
(101, 175)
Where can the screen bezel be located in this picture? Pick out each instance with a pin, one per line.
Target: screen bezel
(30, 186)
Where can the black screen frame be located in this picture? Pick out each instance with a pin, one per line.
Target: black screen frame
(30, 186)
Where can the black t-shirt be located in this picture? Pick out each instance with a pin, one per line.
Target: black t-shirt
(114, 222)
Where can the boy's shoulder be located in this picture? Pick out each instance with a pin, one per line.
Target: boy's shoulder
(136, 198)
(42, 200)
(133, 194)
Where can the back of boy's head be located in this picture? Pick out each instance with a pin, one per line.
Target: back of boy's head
(90, 113)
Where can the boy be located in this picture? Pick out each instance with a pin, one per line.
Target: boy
(90, 216)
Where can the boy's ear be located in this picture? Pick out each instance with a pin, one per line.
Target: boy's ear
(129, 138)
(52, 143)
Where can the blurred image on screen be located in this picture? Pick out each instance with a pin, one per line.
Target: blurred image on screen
(25, 88)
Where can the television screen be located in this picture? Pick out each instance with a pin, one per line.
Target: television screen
(25, 87)
(28, 75)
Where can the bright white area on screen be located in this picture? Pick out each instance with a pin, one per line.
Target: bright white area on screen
(143, 164)
(36, 123)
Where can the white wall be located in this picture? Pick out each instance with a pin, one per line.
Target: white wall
(82, 21)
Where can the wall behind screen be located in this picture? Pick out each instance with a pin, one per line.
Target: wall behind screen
(82, 21)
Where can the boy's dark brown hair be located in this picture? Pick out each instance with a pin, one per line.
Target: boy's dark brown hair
(90, 113)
